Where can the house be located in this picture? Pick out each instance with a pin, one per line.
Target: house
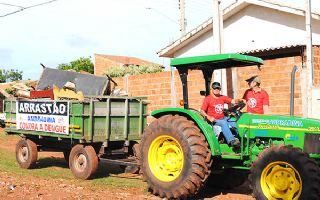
(267, 29)
(103, 62)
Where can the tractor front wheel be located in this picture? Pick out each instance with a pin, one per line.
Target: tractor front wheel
(175, 157)
(284, 172)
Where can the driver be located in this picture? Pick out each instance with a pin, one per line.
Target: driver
(212, 109)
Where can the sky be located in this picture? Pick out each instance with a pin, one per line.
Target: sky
(65, 30)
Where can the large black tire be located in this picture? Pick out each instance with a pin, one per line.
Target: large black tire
(83, 161)
(227, 179)
(183, 136)
(285, 172)
(26, 153)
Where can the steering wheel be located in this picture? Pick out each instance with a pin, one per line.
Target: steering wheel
(235, 110)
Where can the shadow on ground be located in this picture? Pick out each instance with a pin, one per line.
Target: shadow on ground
(211, 192)
(51, 162)
(104, 170)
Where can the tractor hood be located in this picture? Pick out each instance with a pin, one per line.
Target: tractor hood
(275, 122)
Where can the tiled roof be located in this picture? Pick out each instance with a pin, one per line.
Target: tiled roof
(126, 60)
(271, 49)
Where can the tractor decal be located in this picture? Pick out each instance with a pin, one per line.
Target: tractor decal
(271, 127)
(294, 123)
(291, 137)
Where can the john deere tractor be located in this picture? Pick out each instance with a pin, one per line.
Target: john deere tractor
(180, 152)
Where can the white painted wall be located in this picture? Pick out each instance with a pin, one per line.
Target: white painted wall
(258, 28)
(255, 27)
(200, 46)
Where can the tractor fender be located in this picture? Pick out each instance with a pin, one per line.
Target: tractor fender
(205, 128)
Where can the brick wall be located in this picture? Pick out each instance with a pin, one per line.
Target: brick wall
(276, 80)
(157, 88)
(275, 76)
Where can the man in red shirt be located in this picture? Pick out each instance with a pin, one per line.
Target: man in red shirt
(212, 109)
(256, 98)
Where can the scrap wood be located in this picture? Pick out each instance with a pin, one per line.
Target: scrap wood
(67, 94)
(21, 86)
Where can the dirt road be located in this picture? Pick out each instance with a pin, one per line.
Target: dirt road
(53, 180)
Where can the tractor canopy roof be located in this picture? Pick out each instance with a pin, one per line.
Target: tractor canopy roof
(218, 61)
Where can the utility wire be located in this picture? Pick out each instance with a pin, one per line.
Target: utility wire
(7, 4)
(22, 8)
(160, 13)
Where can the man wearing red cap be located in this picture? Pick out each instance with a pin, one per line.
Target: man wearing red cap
(257, 99)
(212, 109)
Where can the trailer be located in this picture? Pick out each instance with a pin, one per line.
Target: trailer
(101, 128)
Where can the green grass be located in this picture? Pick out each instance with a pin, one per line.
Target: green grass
(57, 168)
(44, 169)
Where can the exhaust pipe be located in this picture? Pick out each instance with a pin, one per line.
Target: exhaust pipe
(293, 78)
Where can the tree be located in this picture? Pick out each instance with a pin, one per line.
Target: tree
(10, 75)
(82, 63)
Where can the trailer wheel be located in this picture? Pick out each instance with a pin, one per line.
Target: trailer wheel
(175, 157)
(228, 179)
(83, 161)
(284, 172)
(26, 153)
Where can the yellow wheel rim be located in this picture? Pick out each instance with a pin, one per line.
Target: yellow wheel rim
(280, 180)
(165, 158)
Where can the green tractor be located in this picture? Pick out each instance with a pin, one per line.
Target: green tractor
(180, 152)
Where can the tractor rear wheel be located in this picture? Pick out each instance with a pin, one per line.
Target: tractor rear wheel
(83, 161)
(26, 153)
(284, 172)
(175, 157)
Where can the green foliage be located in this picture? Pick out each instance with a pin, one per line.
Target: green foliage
(133, 70)
(82, 63)
(10, 91)
(10, 75)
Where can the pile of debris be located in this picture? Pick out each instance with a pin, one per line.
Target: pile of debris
(63, 85)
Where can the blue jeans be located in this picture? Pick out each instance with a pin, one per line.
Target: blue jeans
(224, 124)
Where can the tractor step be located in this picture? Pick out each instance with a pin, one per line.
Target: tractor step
(231, 155)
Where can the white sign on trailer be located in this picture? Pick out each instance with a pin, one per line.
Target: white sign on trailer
(46, 116)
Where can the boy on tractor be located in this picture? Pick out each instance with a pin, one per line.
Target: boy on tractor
(212, 108)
